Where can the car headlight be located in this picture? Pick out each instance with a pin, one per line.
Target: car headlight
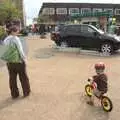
(117, 38)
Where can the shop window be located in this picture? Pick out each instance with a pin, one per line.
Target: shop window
(97, 10)
(48, 11)
(117, 11)
(73, 10)
(61, 10)
(51, 11)
(45, 11)
(85, 10)
(108, 10)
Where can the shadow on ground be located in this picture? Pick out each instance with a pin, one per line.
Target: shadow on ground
(44, 53)
(87, 112)
(8, 102)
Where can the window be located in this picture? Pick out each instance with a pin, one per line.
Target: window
(72, 29)
(97, 10)
(61, 10)
(45, 11)
(85, 10)
(87, 30)
(51, 11)
(108, 10)
(69, 29)
(78, 29)
(84, 28)
(48, 11)
(73, 10)
(91, 30)
(117, 11)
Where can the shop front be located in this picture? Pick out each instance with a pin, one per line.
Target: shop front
(98, 19)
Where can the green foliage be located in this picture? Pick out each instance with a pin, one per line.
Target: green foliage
(2, 32)
(8, 11)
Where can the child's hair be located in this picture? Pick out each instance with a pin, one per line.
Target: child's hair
(13, 28)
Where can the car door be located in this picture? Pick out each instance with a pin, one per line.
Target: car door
(71, 35)
(90, 37)
(77, 38)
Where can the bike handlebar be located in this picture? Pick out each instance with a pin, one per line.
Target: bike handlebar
(89, 80)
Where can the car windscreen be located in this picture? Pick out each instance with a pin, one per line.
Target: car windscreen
(59, 28)
(98, 30)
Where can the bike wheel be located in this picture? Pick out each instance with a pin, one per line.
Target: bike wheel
(89, 90)
(106, 104)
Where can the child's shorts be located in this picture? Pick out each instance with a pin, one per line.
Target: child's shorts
(97, 93)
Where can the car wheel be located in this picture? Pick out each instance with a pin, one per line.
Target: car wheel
(106, 49)
(63, 44)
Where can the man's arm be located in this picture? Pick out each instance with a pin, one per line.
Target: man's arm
(20, 48)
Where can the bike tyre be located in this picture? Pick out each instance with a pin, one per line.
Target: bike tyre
(89, 90)
(104, 106)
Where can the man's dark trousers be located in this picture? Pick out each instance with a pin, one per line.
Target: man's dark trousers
(15, 69)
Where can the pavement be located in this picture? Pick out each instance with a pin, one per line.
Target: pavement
(57, 81)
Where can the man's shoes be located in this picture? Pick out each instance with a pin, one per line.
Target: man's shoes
(26, 94)
(14, 97)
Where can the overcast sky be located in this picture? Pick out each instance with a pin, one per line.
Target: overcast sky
(32, 7)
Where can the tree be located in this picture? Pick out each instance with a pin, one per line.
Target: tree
(8, 12)
(43, 19)
(2, 32)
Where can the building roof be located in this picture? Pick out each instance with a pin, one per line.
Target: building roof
(98, 5)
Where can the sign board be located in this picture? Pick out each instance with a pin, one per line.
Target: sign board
(92, 14)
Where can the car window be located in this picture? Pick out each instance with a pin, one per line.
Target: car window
(72, 29)
(87, 29)
(68, 29)
(59, 28)
(77, 28)
(91, 30)
(96, 30)
(84, 28)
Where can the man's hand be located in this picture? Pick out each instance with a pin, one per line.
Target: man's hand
(25, 60)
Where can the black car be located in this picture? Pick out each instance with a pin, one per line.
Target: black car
(87, 37)
(24, 32)
(59, 27)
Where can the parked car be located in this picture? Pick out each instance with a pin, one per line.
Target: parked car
(87, 37)
(24, 32)
(117, 30)
(59, 27)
